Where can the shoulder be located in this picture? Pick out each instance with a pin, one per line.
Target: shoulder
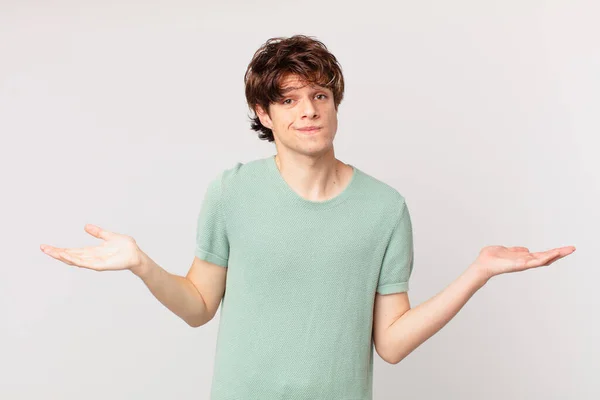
(239, 174)
(382, 193)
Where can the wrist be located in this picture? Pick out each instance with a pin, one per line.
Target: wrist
(143, 267)
(479, 274)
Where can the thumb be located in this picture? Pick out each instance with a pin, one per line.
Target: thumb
(96, 231)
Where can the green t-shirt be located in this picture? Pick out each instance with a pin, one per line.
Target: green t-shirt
(297, 314)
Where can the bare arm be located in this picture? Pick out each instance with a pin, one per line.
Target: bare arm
(418, 324)
(195, 298)
(400, 329)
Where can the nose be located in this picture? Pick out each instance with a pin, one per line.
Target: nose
(308, 109)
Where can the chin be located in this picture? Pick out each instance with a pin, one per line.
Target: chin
(316, 150)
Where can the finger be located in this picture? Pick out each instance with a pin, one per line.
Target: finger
(554, 259)
(65, 256)
(51, 251)
(567, 249)
(519, 248)
(59, 255)
(57, 251)
(542, 258)
(85, 252)
(72, 259)
(563, 252)
(98, 232)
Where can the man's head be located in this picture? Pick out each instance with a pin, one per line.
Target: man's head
(291, 84)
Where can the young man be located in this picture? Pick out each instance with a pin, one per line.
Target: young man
(309, 257)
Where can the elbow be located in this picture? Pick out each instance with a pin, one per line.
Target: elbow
(398, 356)
(388, 356)
(395, 361)
(200, 316)
(392, 359)
(198, 320)
(390, 352)
(193, 324)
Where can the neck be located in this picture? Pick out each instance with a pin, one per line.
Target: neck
(314, 178)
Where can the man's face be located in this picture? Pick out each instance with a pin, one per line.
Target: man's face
(301, 107)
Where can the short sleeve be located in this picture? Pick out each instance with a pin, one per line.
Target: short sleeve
(397, 262)
(212, 244)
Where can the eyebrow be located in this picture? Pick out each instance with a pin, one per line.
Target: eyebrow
(291, 88)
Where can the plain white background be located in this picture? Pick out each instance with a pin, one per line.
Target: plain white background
(484, 115)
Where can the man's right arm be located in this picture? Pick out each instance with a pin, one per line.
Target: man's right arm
(195, 298)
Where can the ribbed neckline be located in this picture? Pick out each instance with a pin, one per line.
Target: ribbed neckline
(295, 197)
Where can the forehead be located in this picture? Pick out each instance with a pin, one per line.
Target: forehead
(294, 82)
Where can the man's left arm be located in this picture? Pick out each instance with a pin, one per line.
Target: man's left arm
(399, 329)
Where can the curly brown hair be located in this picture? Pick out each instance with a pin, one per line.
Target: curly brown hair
(278, 57)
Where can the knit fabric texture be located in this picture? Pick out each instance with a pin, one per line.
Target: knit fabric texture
(296, 318)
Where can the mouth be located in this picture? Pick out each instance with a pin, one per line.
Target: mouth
(308, 131)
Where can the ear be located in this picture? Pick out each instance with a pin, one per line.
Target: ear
(264, 118)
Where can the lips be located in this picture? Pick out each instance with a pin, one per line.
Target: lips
(310, 129)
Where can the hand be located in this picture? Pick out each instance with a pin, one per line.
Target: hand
(117, 252)
(496, 260)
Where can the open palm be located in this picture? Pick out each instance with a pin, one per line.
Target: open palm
(116, 252)
(496, 260)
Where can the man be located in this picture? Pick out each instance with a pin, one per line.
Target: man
(309, 257)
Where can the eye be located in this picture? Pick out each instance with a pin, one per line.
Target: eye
(286, 101)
